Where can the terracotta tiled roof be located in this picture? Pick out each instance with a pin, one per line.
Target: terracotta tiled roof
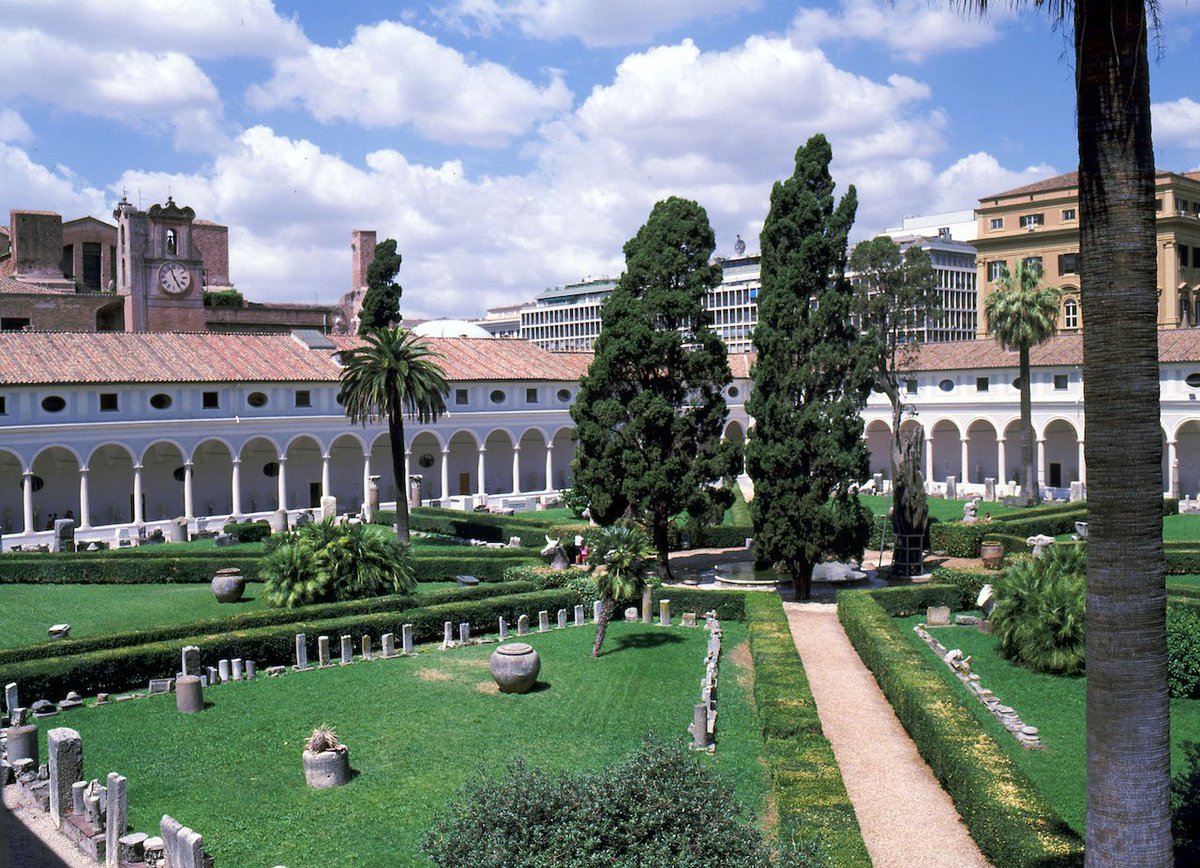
(496, 359)
(1065, 181)
(740, 364)
(9, 285)
(1174, 345)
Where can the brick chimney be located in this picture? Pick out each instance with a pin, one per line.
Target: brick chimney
(362, 252)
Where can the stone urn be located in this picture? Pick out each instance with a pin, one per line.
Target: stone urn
(327, 769)
(992, 554)
(515, 667)
(228, 585)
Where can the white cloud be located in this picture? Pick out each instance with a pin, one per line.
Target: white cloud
(199, 28)
(134, 86)
(28, 185)
(616, 22)
(13, 127)
(1177, 123)
(912, 29)
(974, 176)
(391, 74)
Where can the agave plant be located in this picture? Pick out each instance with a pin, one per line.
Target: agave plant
(323, 739)
(625, 558)
(1039, 616)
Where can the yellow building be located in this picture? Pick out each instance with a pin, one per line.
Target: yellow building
(1039, 224)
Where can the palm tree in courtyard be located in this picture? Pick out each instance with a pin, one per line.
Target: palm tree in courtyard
(391, 375)
(1021, 314)
(1128, 723)
(625, 557)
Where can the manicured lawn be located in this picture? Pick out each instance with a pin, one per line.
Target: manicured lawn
(418, 729)
(738, 515)
(942, 510)
(26, 611)
(1055, 705)
(1181, 528)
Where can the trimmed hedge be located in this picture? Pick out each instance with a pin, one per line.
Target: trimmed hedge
(723, 536)
(968, 582)
(1170, 506)
(956, 539)
(262, 618)
(907, 600)
(1052, 524)
(1181, 561)
(486, 569)
(729, 605)
(805, 780)
(248, 531)
(1008, 817)
(116, 669)
(1044, 509)
(485, 526)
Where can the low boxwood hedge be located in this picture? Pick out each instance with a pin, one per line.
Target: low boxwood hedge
(1051, 524)
(486, 569)
(116, 669)
(484, 526)
(805, 780)
(1008, 817)
(956, 539)
(907, 600)
(248, 531)
(1181, 560)
(968, 582)
(1041, 510)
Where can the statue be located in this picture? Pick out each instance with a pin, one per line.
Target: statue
(911, 517)
(555, 554)
(971, 511)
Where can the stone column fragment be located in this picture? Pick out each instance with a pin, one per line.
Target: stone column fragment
(523, 625)
(464, 632)
(189, 695)
(251, 669)
(543, 621)
(579, 616)
(115, 822)
(347, 651)
(189, 660)
(562, 619)
(65, 749)
(664, 613)
(322, 651)
(11, 702)
(389, 644)
(224, 671)
(597, 609)
(367, 653)
(503, 629)
(301, 653)
(239, 670)
(448, 635)
(406, 638)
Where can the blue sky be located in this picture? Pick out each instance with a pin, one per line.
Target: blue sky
(511, 145)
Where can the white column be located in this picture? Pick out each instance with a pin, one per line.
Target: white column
(325, 486)
(445, 474)
(481, 487)
(281, 483)
(966, 473)
(549, 467)
(516, 469)
(1172, 469)
(139, 516)
(27, 499)
(366, 478)
(236, 487)
(85, 506)
(188, 511)
(1039, 452)
(1083, 463)
(928, 459)
(1002, 459)
(407, 474)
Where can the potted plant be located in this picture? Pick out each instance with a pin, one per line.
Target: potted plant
(326, 760)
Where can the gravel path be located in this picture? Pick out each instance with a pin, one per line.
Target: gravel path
(29, 840)
(906, 817)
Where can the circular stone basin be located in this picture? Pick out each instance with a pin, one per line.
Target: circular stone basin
(515, 667)
(228, 585)
(327, 769)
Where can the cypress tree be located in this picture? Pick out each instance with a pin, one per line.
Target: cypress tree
(651, 409)
(381, 304)
(811, 379)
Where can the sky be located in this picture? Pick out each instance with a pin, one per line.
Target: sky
(514, 145)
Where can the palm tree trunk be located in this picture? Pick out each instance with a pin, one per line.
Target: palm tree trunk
(662, 543)
(606, 611)
(1128, 724)
(1030, 489)
(396, 434)
(801, 571)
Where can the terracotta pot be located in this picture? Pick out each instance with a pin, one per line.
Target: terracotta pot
(228, 585)
(327, 769)
(992, 554)
(515, 667)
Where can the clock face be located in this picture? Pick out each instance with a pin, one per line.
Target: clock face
(174, 278)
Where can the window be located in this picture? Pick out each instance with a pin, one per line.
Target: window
(1032, 263)
(981, 384)
(210, 400)
(108, 402)
(1196, 256)
(303, 398)
(161, 401)
(179, 474)
(946, 385)
(460, 397)
(910, 387)
(14, 323)
(1016, 382)
(1181, 205)
(497, 396)
(1070, 314)
(3, 408)
(1193, 380)
(53, 404)
(172, 247)
(1183, 256)
(564, 395)
(1158, 204)
(1068, 214)
(996, 223)
(271, 469)
(1068, 263)
(1061, 381)
(733, 392)
(256, 399)
(997, 269)
(531, 396)
(1028, 221)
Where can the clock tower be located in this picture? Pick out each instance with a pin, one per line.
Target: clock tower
(158, 269)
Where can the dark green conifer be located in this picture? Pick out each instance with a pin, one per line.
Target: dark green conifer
(381, 304)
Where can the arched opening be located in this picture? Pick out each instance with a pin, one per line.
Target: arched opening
(1012, 451)
(463, 464)
(1060, 455)
(982, 453)
(162, 481)
(533, 461)
(55, 486)
(212, 479)
(427, 463)
(11, 497)
(498, 465)
(303, 474)
(879, 445)
(110, 486)
(346, 473)
(1166, 467)
(947, 451)
(564, 454)
(381, 466)
(259, 476)
(1187, 453)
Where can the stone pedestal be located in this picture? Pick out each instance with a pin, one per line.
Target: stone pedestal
(989, 488)
(327, 769)
(189, 694)
(951, 488)
(22, 743)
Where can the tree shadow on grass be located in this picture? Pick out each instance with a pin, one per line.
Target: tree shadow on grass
(641, 641)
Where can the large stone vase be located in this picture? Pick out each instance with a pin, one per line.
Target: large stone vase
(515, 667)
(228, 585)
(327, 769)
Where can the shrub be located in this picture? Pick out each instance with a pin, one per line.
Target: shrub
(1051, 523)
(1170, 506)
(805, 780)
(658, 806)
(1185, 807)
(487, 569)
(325, 561)
(575, 500)
(1183, 650)
(542, 577)
(968, 582)
(104, 570)
(248, 531)
(905, 600)
(1039, 616)
(1009, 818)
(1181, 560)
(956, 539)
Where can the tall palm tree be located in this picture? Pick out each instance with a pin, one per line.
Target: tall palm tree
(626, 558)
(393, 374)
(1128, 722)
(1021, 314)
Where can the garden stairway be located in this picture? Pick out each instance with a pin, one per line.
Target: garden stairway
(906, 817)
